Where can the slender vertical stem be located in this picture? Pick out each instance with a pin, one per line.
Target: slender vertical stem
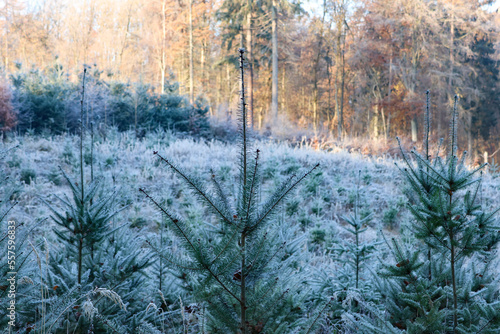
(357, 227)
(243, 116)
(342, 88)
(81, 131)
(243, 306)
(452, 257)
(357, 256)
(243, 285)
(80, 249)
(428, 158)
(455, 303)
(161, 258)
(453, 133)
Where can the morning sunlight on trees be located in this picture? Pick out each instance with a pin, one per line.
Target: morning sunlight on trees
(249, 166)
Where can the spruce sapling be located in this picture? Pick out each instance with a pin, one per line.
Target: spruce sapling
(113, 263)
(14, 267)
(450, 219)
(357, 252)
(235, 268)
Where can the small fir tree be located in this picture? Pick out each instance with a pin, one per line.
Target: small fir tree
(98, 289)
(15, 268)
(236, 270)
(355, 253)
(450, 219)
(452, 288)
(350, 277)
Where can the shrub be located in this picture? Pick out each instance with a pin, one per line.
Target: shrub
(389, 218)
(7, 117)
(42, 102)
(28, 175)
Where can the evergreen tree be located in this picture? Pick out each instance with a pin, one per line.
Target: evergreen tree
(238, 270)
(452, 288)
(355, 253)
(450, 219)
(351, 278)
(15, 283)
(92, 283)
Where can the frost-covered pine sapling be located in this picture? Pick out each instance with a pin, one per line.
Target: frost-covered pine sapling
(356, 253)
(451, 221)
(112, 263)
(236, 268)
(418, 178)
(15, 267)
(413, 301)
(85, 221)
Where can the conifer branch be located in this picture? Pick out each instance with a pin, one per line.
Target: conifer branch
(170, 260)
(319, 314)
(221, 283)
(281, 196)
(220, 193)
(196, 188)
(275, 304)
(225, 247)
(172, 219)
(254, 177)
(259, 250)
(272, 256)
(265, 293)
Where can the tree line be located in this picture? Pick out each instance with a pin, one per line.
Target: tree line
(351, 68)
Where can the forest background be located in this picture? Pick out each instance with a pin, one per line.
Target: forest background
(328, 69)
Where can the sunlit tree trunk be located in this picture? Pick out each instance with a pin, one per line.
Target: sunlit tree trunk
(191, 71)
(163, 56)
(414, 132)
(274, 93)
(342, 88)
(316, 72)
(250, 62)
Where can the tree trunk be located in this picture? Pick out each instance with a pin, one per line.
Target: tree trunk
(250, 63)
(316, 71)
(342, 86)
(469, 134)
(6, 40)
(162, 61)
(191, 79)
(452, 42)
(274, 94)
(338, 110)
(389, 91)
(384, 124)
(414, 129)
(202, 62)
(328, 110)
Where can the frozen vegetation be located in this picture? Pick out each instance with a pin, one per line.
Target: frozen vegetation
(127, 164)
(313, 220)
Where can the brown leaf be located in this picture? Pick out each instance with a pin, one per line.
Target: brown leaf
(237, 276)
